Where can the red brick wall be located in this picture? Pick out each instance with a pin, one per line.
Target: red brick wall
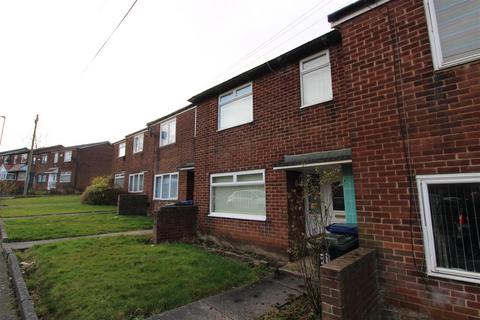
(168, 158)
(174, 223)
(280, 127)
(137, 162)
(350, 288)
(93, 162)
(62, 166)
(441, 110)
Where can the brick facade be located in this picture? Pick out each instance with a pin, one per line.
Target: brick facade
(279, 127)
(402, 111)
(87, 162)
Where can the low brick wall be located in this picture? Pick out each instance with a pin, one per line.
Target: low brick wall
(132, 204)
(350, 287)
(175, 223)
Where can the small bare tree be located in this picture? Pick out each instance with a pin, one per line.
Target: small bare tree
(311, 250)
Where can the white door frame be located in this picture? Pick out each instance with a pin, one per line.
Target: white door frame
(52, 181)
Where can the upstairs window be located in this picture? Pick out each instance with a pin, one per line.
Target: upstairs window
(138, 143)
(450, 206)
(166, 186)
(454, 29)
(121, 149)
(44, 158)
(68, 156)
(316, 79)
(235, 107)
(24, 158)
(55, 157)
(168, 132)
(15, 159)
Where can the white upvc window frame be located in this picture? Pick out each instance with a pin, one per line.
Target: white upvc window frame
(24, 158)
(64, 174)
(236, 97)
(55, 157)
(166, 124)
(140, 188)
(69, 158)
(304, 72)
(435, 43)
(161, 176)
(44, 159)
(119, 176)
(122, 146)
(429, 244)
(234, 183)
(138, 143)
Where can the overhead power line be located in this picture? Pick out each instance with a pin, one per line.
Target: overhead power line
(308, 13)
(112, 33)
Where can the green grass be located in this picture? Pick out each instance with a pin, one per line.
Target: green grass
(125, 277)
(46, 205)
(51, 227)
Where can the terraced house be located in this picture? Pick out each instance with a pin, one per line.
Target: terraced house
(68, 169)
(158, 160)
(391, 98)
(13, 166)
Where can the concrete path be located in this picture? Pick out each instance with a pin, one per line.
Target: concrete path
(7, 298)
(29, 244)
(243, 303)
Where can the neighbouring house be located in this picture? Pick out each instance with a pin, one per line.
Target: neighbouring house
(70, 169)
(173, 157)
(391, 98)
(132, 164)
(13, 166)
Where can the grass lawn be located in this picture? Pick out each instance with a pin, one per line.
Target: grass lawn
(46, 205)
(50, 227)
(125, 277)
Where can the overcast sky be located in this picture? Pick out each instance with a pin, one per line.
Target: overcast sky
(164, 53)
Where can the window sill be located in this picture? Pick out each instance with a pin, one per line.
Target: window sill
(238, 216)
(315, 103)
(159, 199)
(135, 191)
(167, 145)
(137, 152)
(237, 125)
(445, 274)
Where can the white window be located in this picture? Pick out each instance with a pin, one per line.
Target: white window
(68, 156)
(454, 29)
(44, 158)
(11, 176)
(41, 178)
(238, 195)
(34, 159)
(21, 176)
(55, 157)
(119, 180)
(168, 132)
(65, 176)
(316, 79)
(135, 182)
(138, 143)
(15, 159)
(450, 206)
(24, 158)
(235, 107)
(121, 149)
(166, 186)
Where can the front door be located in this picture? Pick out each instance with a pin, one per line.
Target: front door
(315, 218)
(52, 181)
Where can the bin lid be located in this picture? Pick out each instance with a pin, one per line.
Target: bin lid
(343, 228)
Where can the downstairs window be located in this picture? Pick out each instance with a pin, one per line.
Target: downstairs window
(450, 206)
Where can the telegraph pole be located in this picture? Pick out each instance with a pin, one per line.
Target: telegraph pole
(3, 126)
(29, 160)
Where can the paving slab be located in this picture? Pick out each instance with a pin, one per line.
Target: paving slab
(248, 302)
(8, 309)
(29, 244)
